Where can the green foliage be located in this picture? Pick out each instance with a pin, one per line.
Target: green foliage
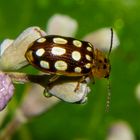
(90, 121)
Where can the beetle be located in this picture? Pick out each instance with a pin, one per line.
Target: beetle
(67, 56)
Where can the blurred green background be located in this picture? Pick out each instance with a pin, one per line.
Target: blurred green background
(89, 121)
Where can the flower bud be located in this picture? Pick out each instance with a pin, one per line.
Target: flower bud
(6, 90)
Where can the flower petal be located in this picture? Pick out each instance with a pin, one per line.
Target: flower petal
(35, 103)
(64, 89)
(62, 25)
(13, 57)
(4, 45)
(101, 39)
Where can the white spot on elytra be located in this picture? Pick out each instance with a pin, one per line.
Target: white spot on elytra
(59, 40)
(77, 43)
(40, 52)
(44, 64)
(41, 40)
(58, 51)
(90, 44)
(88, 57)
(88, 65)
(60, 65)
(89, 49)
(78, 69)
(76, 55)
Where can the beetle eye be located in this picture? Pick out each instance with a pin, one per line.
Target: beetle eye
(107, 76)
(100, 61)
(104, 66)
(105, 60)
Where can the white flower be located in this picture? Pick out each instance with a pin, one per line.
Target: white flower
(120, 131)
(6, 90)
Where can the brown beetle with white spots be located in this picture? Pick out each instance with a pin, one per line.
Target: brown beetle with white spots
(68, 56)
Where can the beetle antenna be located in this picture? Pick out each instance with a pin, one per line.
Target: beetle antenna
(109, 85)
(111, 42)
(108, 97)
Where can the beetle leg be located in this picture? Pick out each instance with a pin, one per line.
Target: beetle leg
(80, 81)
(51, 80)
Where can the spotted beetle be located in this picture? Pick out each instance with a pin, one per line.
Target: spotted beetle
(59, 55)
